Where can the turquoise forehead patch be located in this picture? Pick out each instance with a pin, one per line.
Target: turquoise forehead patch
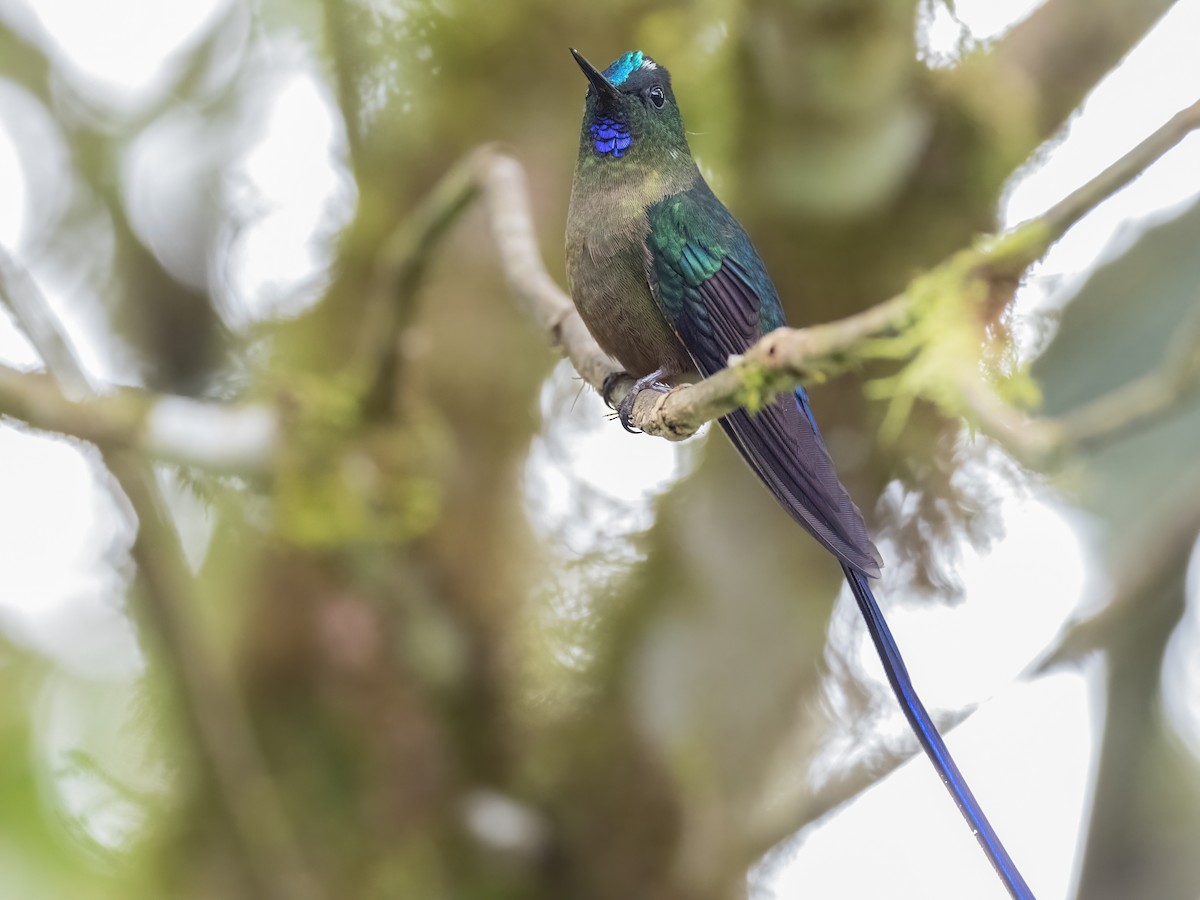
(622, 67)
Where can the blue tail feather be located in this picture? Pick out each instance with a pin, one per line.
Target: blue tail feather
(931, 741)
(783, 444)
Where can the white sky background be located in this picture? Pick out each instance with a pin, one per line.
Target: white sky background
(57, 522)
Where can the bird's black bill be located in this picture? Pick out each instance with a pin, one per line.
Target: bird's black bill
(605, 92)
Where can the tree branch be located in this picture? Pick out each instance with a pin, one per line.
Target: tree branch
(1039, 443)
(216, 437)
(1072, 208)
(780, 361)
(219, 438)
(785, 357)
(397, 272)
(789, 357)
(244, 439)
(340, 45)
(212, 705)
(33, 317)
(1151, 556)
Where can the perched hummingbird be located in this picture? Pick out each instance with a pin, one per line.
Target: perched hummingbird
(669, 285)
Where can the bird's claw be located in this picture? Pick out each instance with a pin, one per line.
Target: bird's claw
(625, 412)
(625, 409)
(610, 381)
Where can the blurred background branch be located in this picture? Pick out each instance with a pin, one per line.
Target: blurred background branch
(212, 706)
(219, 438)
(1065, 47)
(1159, 550)
(23, 299)
(1042, 443)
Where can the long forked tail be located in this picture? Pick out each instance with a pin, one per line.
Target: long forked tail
(927, 733)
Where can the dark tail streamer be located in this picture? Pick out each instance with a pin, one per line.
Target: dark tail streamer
(931, 741)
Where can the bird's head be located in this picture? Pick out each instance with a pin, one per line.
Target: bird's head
(630, 110)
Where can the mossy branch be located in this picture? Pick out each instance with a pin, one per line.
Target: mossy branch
(910, 327)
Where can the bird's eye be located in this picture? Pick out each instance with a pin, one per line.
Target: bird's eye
(657, 97)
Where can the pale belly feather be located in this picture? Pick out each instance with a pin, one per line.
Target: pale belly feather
(607, 279)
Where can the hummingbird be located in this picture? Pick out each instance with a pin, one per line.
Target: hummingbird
(670, 286)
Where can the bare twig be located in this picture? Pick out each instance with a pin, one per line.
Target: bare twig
(397, 271)
(1143, 400)
(1033, 442)
(511, 222)
(405, 255)
(33, 316)
(1071, 208)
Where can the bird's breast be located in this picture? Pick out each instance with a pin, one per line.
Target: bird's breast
(606, 273)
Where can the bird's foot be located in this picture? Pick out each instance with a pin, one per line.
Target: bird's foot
(611, 380)
(653, 382)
